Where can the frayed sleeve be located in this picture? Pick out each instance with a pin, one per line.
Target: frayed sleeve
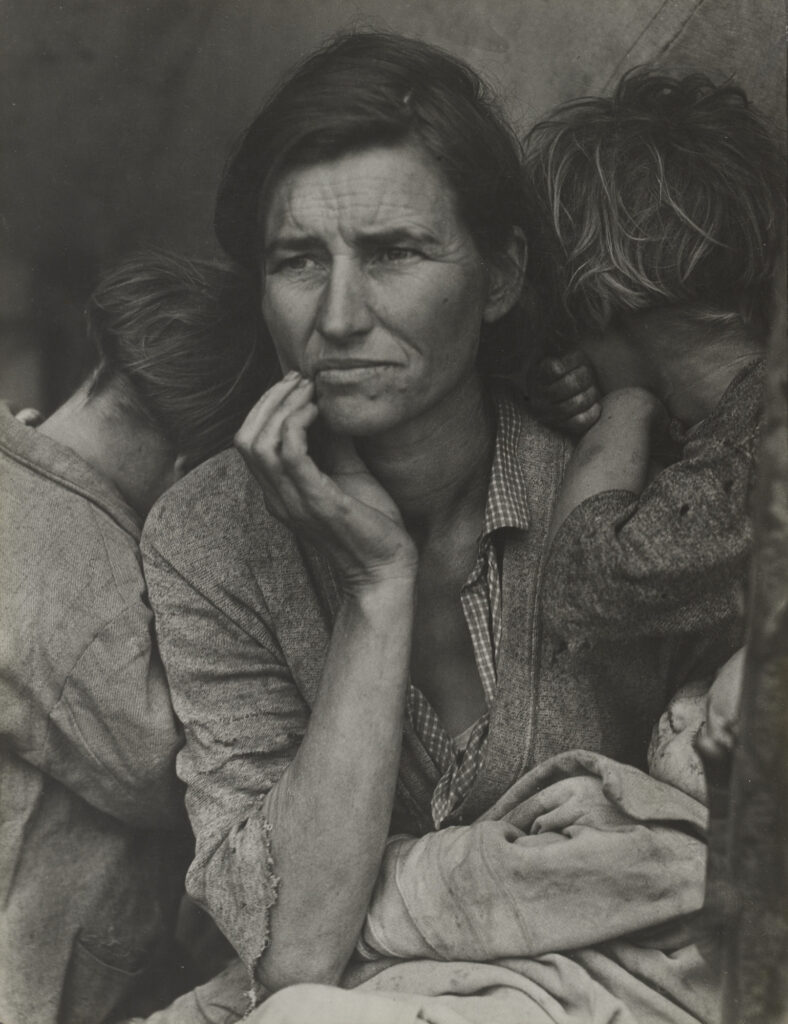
(243, 720)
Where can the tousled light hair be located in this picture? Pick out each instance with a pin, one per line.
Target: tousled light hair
(178, 340)
(665, 194)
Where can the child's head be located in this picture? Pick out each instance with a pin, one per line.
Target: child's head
(178, 345)
(672, 757)
(700, 717)
(665, 194)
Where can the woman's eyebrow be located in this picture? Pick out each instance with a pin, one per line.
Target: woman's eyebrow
(293, 243)
(368, 239)
(396, 236)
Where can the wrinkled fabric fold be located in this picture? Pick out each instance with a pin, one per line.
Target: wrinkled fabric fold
(492, 889)
(595, 923)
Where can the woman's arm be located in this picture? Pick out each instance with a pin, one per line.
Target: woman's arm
(327, 811)
(330, 811)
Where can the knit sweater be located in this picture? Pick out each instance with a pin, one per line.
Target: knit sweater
(670, 564)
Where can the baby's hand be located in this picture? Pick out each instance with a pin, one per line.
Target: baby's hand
(717, 738)
(564, 392)
(30, 417)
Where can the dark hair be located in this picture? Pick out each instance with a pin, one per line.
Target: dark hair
(179, 338)
(664, 194)
(365, 89)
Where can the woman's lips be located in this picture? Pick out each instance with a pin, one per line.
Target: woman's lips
(350, 373)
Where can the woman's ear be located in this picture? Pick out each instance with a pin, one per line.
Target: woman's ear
(506, 271)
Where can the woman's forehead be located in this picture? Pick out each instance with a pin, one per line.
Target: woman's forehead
(383, 188)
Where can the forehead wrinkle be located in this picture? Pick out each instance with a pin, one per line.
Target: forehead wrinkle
(341, 200)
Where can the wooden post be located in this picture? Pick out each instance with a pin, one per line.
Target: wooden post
(747, 887)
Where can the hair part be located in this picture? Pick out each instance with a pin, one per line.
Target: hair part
(178, 340)
(666, 193)
(366, 89)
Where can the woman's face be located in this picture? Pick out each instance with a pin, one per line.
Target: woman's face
(373, 286)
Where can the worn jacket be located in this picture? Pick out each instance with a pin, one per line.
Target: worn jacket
(92, 830)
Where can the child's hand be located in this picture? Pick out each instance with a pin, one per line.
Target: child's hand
(717, 738)
(30, 417)
(564, 393)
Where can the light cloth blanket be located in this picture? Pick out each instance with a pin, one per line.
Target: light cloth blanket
(591, 921)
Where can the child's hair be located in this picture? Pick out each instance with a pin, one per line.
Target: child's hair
(665, 194)
(179, 340)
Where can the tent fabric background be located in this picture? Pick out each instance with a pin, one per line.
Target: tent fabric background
(116, 117)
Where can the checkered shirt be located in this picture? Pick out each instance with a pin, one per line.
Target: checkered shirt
(481, 605)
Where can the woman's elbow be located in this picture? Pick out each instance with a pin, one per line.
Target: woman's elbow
(307, 965)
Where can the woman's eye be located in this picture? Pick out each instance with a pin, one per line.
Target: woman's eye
(397, 254)
(294, 264)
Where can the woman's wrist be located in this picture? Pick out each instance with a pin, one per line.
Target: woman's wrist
(385, 589)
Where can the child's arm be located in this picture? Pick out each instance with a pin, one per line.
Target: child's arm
(614, 454)
(674, 559)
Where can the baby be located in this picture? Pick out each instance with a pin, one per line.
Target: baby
(702, 716)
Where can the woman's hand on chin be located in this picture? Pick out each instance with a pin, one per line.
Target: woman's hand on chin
(344, 512)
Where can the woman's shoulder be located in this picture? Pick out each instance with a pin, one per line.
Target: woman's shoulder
(217, 511)
(540, 450)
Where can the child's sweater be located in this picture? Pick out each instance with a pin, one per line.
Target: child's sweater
(673, 560)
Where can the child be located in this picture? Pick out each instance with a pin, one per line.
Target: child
(699, 717)
(658, 234)
(95, 836)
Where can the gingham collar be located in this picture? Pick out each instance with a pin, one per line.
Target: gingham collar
(507, 502)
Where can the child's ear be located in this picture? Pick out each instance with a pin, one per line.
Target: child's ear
(506, 271)
(181, 467)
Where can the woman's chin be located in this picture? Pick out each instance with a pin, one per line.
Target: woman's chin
(357, 416)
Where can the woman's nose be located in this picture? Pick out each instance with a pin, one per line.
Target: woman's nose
(344, 309)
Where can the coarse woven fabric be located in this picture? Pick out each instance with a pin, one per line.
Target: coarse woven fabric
(244, 616)
(93, 841)
(672, 562)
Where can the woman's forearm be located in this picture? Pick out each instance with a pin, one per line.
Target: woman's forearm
(330, 811)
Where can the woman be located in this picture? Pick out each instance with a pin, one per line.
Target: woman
(348, 613)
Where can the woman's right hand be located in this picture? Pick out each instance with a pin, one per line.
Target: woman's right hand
(344, 512)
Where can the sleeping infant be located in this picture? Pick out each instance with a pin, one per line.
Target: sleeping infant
(698, 714)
